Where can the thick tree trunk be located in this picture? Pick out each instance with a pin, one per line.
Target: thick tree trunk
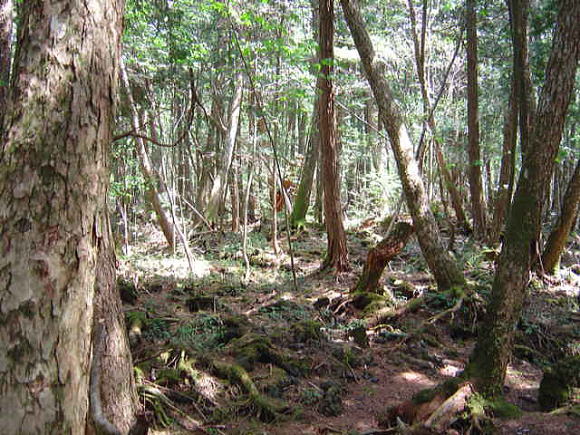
(491, 355)
(5, 44)
(380, 255)
(149, 173)
(559, 235)
(337, 254)
(440, 262)
(216, 197)
(54, 177)
(507, 170)
(475, 162)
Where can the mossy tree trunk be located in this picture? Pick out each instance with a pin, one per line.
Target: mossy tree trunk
(559, 235)
(489, 360)
(380, 255)
(54, 177)
(441, 263)
(302, 199)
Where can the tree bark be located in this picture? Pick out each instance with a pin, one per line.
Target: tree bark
(379, 256)
(474, 152)
(302, 199)
(518, 10)
(489, 360)
(507, 169)
(219, 183)
(337, 254)
(440, 262)
(151, 178)
(5, 44)
(559, 235)
(54, 176)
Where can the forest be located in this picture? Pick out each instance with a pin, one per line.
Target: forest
(355, 217)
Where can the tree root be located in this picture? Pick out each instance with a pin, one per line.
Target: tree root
(266, 408)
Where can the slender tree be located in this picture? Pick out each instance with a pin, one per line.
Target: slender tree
(5, 44)
(337, 255)
(490, 358)
(559, 235)
(149, 173)
(217, 193)
(53, 227)
(474, 152)
(440, 262)
(507, 168)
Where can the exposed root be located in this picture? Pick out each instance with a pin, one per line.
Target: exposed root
(266, 408)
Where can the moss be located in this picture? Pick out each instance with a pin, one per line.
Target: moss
(305, 331)
(267, 409)
(558, 383)
(331, 403)
(364, 300)
(479, 407)
(168, 377)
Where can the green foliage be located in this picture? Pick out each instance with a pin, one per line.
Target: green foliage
(202, 333)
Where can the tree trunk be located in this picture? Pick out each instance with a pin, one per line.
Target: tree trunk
(491, 355)
(337, 255)
(419, 46)
(5, 44)
(440, 262)
(559, 235)
(475, 162)
(507, 170)
(151, 178)
(302, 199)
(219, 183)
(380, 255)
(54, 176)
(518, 10)
(114, 403)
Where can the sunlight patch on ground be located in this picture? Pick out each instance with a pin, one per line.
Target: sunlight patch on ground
(417, 378)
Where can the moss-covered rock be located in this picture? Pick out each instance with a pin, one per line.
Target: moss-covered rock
(559, 383)
(305, 331)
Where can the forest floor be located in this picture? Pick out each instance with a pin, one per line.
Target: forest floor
(216, 354)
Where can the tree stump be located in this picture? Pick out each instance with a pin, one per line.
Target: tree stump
(380, 255)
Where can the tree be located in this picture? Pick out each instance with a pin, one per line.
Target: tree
(337, 255)
(440, 262)
(474, 152)
(54, 231)
(5, 44)
(489, 360)
(559, 235)
(149, 173)
(219, 183)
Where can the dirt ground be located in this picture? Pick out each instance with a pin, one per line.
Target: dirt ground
(180, 321)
